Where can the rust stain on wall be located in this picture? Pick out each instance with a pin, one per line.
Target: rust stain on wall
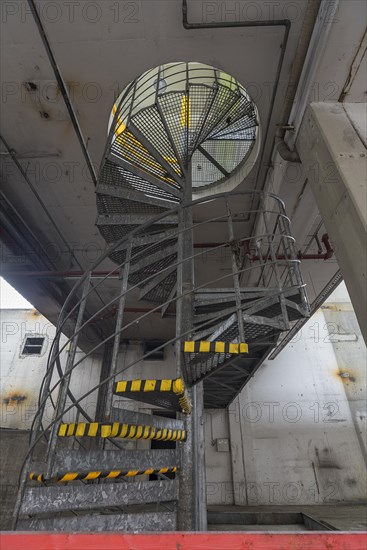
(14, 398)
(346, 375)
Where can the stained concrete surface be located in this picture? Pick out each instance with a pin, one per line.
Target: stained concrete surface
(13, 449)
(343, 517)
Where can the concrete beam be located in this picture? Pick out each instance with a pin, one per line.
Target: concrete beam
(334, 157)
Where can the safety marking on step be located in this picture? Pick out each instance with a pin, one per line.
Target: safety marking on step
(116, 429)
(109, 474)
(177, 387)
(215, 347)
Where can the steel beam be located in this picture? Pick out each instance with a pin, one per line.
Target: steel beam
(334, 157)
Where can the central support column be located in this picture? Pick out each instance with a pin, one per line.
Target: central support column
(192, 499)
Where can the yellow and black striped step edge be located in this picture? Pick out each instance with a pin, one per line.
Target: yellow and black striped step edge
(109, 474)
(116, 429)
(214, 347)
(177, 387)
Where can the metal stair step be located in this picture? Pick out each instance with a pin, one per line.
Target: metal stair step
(62, 498)
(100, 473)
(107, 430)
(81, 460)
(209, 346)
(169, 394)
(135, 417)
(163, 521)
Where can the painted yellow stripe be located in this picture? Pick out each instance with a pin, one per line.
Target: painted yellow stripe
(105, 431)
(233, 348)
(80, 429)
(178, 386)
(93, 429)
(189, 347)
(40, 477)
(185, 112)
(149, 385)
(132, 473)
(70, 476)
(220, 347)
(115, 429)
(92, 475)
(124, 430)
(146, 432)
(166, 385)
(62, 430)
(71, 428)
(114, 473)
(139, 432)
(148, 472)
(121, 126)
(132, 432)
(136, 385)
(163, 470)
(243, 348)
(204, 347)
(121, 386)
(132, 144)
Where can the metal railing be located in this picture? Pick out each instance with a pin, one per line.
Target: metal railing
(259, 273)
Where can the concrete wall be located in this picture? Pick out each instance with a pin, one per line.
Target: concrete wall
(297, 428)
(21, 375)
(13, 449)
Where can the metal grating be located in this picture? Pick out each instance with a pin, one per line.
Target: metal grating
(173, 111)
(112, 174)
(149, 122)
(114, 205)
(229, 153)
(128, 147)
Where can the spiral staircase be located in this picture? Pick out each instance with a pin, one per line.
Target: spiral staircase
(180, 138)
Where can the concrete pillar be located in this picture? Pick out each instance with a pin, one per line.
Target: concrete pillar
(332, 149)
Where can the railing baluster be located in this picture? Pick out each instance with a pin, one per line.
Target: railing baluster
(61, 401)
(236, 280)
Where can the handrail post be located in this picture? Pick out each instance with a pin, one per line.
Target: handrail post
(117, 338)
(61, 400)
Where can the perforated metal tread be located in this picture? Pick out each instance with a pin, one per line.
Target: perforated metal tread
(152, 521)
(77, 497)
(100, 473)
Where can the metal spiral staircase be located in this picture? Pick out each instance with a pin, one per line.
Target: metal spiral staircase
(96, 461)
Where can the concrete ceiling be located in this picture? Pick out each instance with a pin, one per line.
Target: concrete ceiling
(99, 47)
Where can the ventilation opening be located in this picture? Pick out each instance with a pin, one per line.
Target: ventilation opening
(33, 346)
(154, 354)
